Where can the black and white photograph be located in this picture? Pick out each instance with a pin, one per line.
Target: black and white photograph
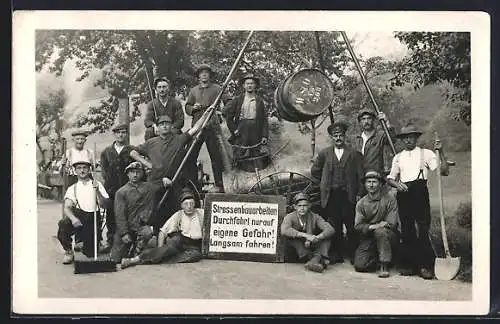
(250, 162)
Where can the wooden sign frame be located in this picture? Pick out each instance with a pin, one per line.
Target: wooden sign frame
(277, 257)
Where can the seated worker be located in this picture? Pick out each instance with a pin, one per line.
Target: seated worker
(179, 239)
(308, 233)
(134, 208)
(377, 221)
(79, 206)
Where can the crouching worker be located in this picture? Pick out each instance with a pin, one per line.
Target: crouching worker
(308, 234)
(377, 221)
(134, 209)
(179, 239)
(80, 202)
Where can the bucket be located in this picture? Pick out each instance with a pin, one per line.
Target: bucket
(303, 95)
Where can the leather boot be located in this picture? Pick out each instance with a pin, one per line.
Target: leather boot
(315, 264)
(384, 270)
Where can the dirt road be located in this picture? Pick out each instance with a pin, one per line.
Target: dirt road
(213, 279)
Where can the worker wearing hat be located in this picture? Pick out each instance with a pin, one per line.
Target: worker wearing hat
(377, 223)
(163, 104)
(179, 240)
(114, 159)
(199, 99)
(409, 174)
(134, 210)
(246, 118)
(78, 213)
(373, 143)
(307, 234)
(75, 153)
(338, 169)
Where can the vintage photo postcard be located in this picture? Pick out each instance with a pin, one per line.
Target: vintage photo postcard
(251, 162)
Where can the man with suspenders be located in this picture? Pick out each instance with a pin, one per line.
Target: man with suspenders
(409, 174)
(76, 153)
(81, 200)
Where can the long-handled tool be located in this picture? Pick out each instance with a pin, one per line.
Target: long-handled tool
(211, 111)
(84, 264)
(444, 268)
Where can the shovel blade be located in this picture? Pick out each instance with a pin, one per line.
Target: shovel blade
(446, 268)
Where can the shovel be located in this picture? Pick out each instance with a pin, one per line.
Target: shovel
(444, 268)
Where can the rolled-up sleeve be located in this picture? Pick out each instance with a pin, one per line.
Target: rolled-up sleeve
(172, 225)
(394, 168)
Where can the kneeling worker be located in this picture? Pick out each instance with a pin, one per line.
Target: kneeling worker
(179, 239)
(377, 221)
(308, 234)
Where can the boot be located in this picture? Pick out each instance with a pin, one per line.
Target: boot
(408, 272)
(68, 257)
(128, 262)
(384, 270)
(426, 274)
(315, 264)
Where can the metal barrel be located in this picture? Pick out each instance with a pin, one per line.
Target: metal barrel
(303, 95)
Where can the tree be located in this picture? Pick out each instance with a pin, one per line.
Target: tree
(49, 111)
(438, 57)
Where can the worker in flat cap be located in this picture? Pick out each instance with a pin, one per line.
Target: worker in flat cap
(372, 142)
(114, 160)
(307, 234)
(134, 212)
(81, 200)
(339, 171)
(247, 119)
(409, 174)
(377, 222)
(162, 155)
(163, 104)
(179, 240)
(199, 99)
(76, 153)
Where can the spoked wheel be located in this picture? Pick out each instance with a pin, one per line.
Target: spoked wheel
(287, 184)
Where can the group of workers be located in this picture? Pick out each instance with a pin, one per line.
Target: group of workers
(355, 187)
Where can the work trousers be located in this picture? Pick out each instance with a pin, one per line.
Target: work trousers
(340, 211)
(141, 240)
(247, 136)
(176, 249)
(110, 221)
(320, 248)
(84, 233)
(209, 137)
(415, 215)
(375, 246)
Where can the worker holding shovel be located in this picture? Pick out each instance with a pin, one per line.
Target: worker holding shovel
(409, 174)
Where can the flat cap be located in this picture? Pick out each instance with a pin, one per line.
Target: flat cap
(186, 194)
(82, 160)
(373, 175)
(337, 127)
(409, 129)
(80, 132)
(163, 118)
(134, 166)
(203, 67)
(120, 127)
(250, 76)
(366, 111)
(300, 196)
(164, 79)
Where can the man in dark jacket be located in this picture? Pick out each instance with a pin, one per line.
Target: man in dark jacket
(114, 160)
(163, 104)
(246, 118)
(338, 168)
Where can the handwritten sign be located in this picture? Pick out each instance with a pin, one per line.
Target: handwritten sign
(243, 227)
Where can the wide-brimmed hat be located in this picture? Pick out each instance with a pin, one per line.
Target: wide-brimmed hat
(82, 160)
(366, 111)
(300, 196)
(80, 132)
(203, 67)
(186, 194)
(409, 129)
(163, 118)
(339, 126)
(120, 127)
(134, 166)
(250, 76)
(372, 174)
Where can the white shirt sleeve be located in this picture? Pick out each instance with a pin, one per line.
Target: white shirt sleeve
(70, 193)
(394, 168)
(430, 160)
(172, 224)
(103, 191)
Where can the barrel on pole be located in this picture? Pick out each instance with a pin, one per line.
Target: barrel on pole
(303, 95)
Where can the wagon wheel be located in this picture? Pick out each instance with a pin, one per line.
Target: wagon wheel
(287, 184)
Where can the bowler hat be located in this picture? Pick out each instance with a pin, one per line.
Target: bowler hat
(373, 175)
(300, 196)
(250, 76)
(134, 166)
(163, 118)
(164, 79)
(186, 194)
(204, 67)
(120, 127)
(80, 132)
(409, 129)
(339, 126)
(82, 161)
(366, 111)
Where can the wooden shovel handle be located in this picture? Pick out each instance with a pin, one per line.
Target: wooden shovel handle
(441, 202)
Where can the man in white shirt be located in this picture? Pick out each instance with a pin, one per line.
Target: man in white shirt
(409, 174)
(77, 153)
(81, 200)
(179, 239)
